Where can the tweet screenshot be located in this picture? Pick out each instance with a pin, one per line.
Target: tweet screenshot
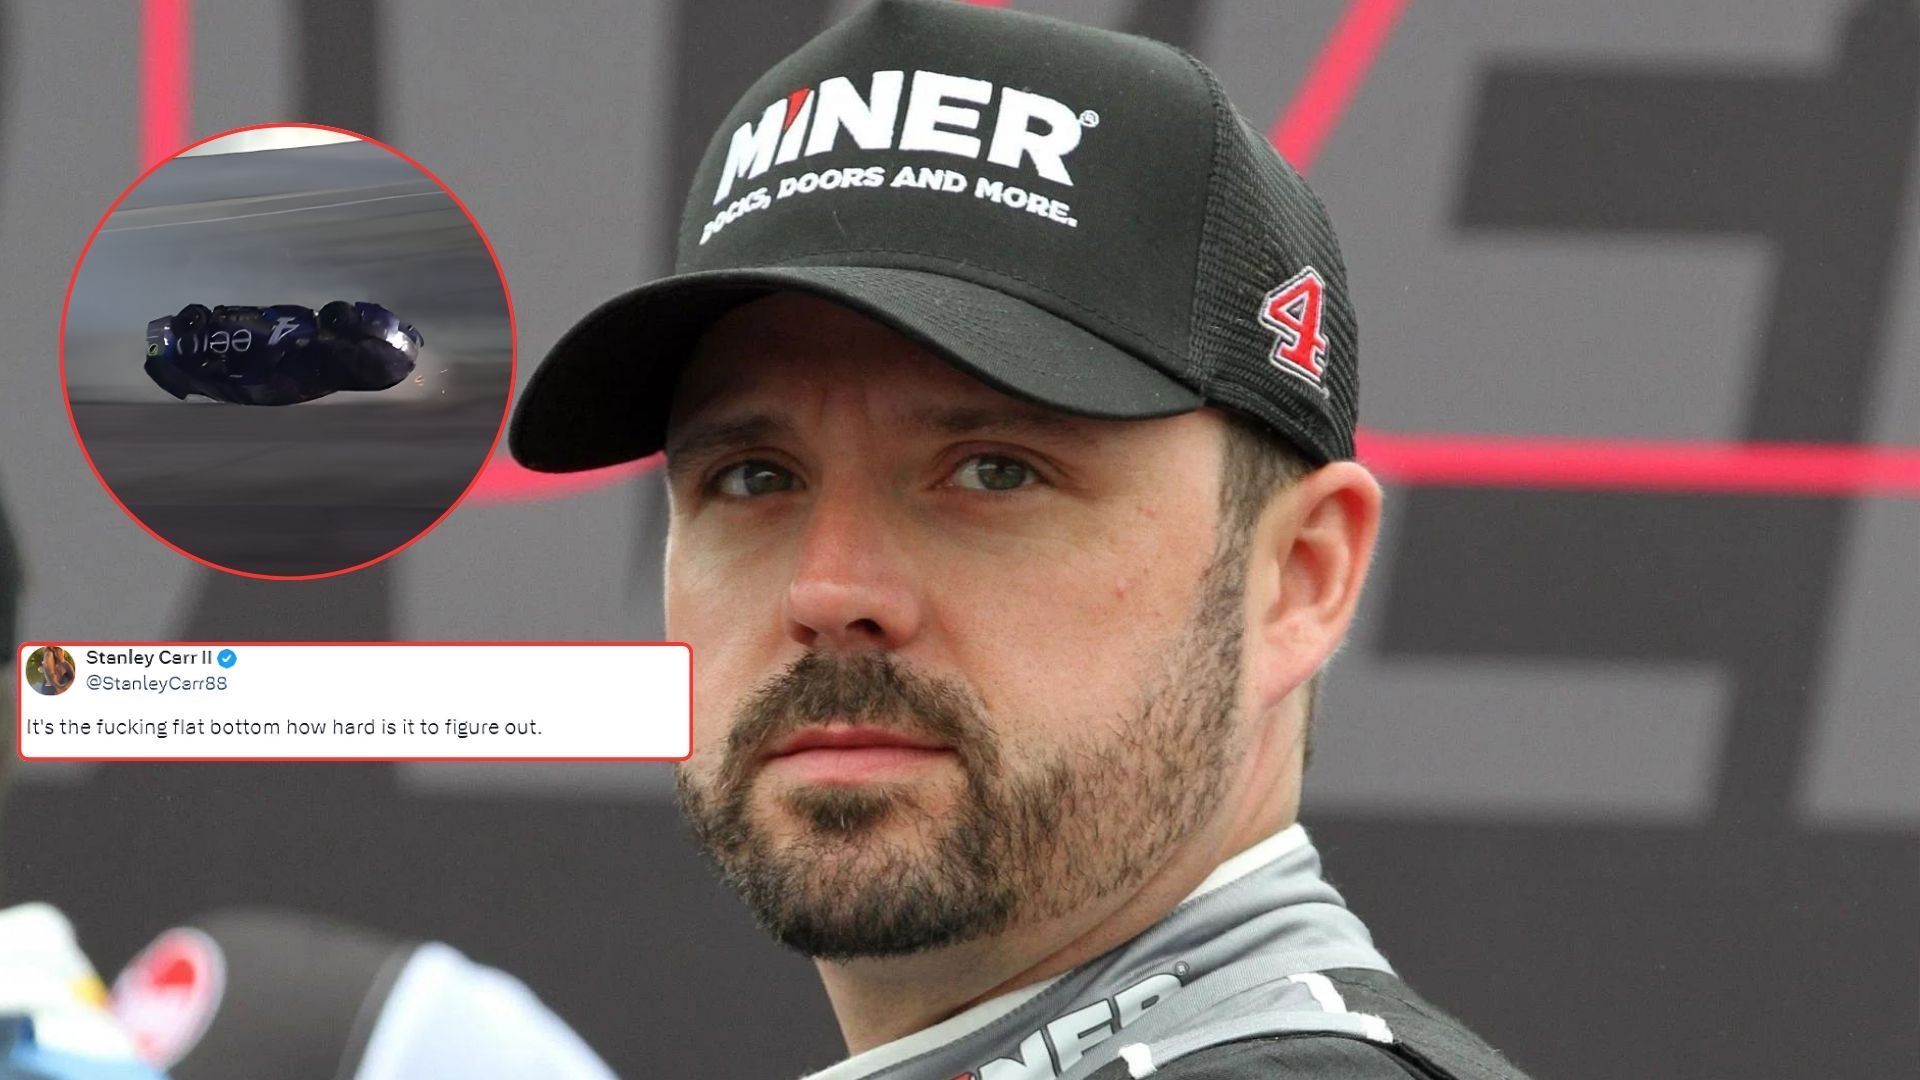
(401, 701)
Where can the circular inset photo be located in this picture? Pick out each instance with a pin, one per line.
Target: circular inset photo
(287, 351)
(49, 670)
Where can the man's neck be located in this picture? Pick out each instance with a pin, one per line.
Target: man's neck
(880, 1000)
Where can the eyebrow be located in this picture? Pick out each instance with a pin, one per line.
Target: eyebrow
(978, 419)
(697, 440)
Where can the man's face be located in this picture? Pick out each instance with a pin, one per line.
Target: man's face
(962, 662)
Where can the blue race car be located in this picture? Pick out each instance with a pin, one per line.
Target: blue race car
(279, 355)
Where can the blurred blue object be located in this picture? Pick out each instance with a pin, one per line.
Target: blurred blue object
(26, 1059)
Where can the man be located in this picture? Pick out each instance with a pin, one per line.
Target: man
(1007, 394)
(56, 669)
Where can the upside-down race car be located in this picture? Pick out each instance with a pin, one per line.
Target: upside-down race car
(279, 355)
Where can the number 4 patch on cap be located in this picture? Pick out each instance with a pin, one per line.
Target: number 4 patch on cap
(1292, 312)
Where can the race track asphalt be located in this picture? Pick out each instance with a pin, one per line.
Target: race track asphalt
(288, 491)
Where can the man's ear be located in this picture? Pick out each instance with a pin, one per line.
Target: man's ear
(1310, 552)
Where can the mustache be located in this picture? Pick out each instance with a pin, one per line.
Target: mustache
(871, 689)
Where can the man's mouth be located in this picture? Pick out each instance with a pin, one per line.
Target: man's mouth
(850, 754)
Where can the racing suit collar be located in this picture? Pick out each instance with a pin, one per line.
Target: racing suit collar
(1267, 906)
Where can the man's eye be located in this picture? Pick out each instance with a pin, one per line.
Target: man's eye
(751, 478)
(992, 472)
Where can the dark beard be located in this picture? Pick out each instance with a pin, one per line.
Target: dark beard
(1029, 842)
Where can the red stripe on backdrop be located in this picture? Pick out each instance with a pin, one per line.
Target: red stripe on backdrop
(1447, 460)
(1333, 79)
(1715, 468)
(166, 77)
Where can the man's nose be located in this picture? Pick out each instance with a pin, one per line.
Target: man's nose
(852, 584)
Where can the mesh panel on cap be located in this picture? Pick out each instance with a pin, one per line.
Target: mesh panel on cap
(1262, 225)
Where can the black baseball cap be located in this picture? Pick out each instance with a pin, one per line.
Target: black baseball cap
(1076, 217)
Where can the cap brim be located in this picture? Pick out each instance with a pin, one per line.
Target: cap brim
(602, 395)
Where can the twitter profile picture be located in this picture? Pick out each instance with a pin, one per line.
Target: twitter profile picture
(50, 670)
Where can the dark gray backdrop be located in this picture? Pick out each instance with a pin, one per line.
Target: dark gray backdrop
(1627, 780)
